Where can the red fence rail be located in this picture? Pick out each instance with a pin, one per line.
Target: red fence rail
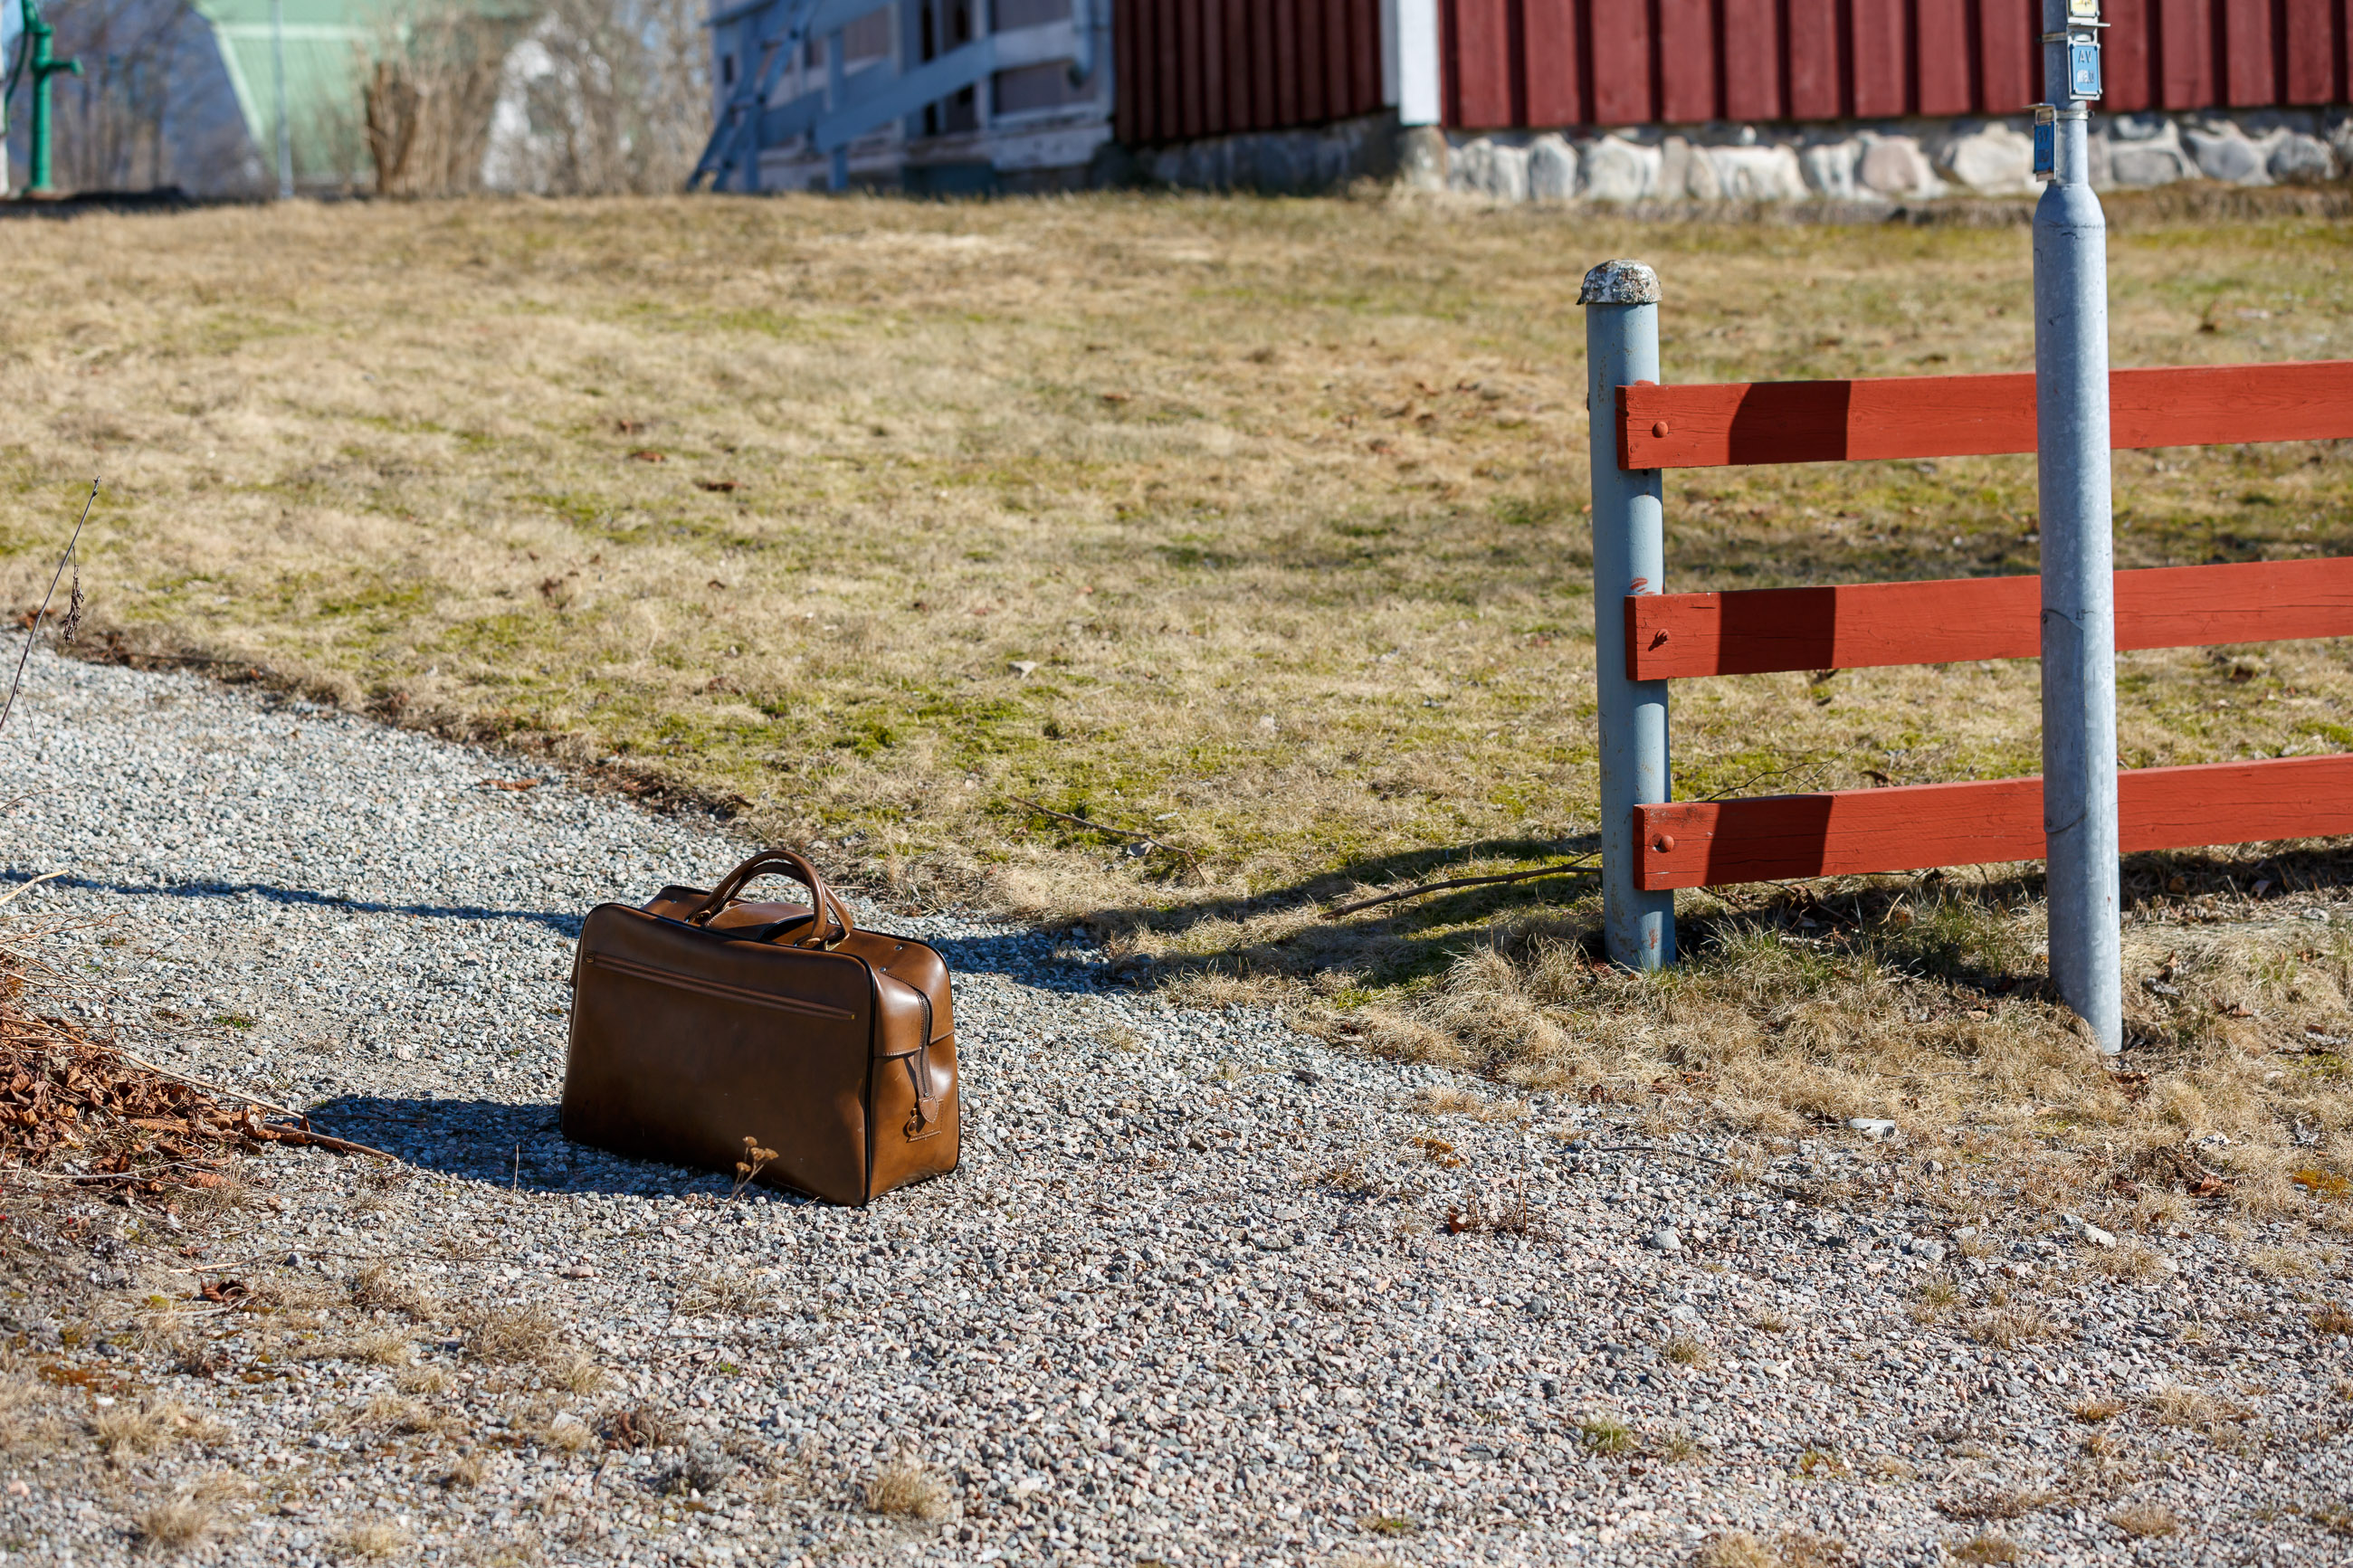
(1971, 416)
(1704, 843)
(1847, 832)
(1533, 63)
(1857, 625)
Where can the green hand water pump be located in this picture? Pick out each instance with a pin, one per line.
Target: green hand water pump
(36, 62)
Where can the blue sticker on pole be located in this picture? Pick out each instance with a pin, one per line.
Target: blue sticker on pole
(2046, 142)
(2083, 69)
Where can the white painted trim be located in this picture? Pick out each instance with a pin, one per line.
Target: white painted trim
(1410, 38)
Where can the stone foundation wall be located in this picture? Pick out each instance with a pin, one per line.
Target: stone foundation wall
(1317, 158)
(1895, 161)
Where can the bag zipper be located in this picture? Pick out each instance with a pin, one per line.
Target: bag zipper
(714, 988)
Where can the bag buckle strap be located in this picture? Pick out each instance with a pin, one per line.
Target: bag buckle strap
(923, 1119)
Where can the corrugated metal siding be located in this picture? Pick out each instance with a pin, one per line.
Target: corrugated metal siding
(1205, 67)
(1628, 62)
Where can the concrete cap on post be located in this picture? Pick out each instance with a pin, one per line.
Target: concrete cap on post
(1620, 283)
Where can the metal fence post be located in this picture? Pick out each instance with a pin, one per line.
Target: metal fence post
(1622, 347)
(2079, 620)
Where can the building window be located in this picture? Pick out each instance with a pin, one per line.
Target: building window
(1033, 89)
(1012, 13)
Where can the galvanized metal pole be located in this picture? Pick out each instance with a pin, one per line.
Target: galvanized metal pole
(2079, 620)
(1629, 554)
(277, 71)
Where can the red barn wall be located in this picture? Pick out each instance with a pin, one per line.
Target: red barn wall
(1207, 68)
(1528, 63)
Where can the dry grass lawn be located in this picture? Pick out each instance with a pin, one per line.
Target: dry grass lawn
(1256, 526)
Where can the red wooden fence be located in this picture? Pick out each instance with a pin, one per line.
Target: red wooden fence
(1627, 62)
(1207, 68)
(1841, 832)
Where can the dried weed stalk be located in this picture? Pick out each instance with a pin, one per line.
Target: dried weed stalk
(906, 1489)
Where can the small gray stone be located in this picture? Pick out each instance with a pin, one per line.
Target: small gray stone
(1507, 175)
(1619, 171)
(1829, 169)
(1894, 166)
(2227, 155)
(2302, 160)
(1664, 1239)
(2137, 167)
(1551, 168)
(1872, 1126)
(1994, 161)
(1757, 173)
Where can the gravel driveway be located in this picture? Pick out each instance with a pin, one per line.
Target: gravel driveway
(1205, 1291)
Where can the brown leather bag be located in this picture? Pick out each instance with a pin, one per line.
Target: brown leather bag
(699, 1020)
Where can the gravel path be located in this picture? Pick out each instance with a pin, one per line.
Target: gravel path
(1205, 1290)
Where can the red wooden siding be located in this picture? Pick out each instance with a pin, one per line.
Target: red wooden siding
(1209, 67)
(1528, 63)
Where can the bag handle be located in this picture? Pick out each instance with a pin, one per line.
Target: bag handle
(825, 904)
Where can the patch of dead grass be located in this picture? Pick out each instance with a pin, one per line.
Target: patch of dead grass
(147, 1426)
(2282, 1262)
(567, 1433)
(423, 1380)
(379, 1347)
(2182, 1405)
(907, 1489)
(2007, 1328)
(2129, 1260)
(528, 1331)
(31, 1413)
(1736, 1548)
(2142, 1521)
(375, 1540)
(381, 1287)
(174, 1524)
(1994, 1503)
(392, 1413)
(1447, 1101)
(730, 1293)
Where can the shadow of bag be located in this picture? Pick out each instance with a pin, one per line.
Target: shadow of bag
(700, 1019)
